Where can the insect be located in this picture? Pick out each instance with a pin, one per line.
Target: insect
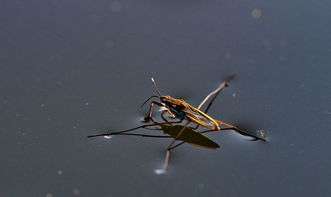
(179, 109)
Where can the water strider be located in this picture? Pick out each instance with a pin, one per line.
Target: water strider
(181, 110)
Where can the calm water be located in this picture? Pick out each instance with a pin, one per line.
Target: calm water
(71, 68)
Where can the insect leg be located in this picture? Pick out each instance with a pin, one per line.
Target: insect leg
(225, 124)
(214, 94)
(164, 118)
(144, 135)
(168, 151)
(149, 116)
(132, 129)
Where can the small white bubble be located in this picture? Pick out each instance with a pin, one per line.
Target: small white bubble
(60, 172)
(42, 105)
(159, 171)
(74, 127)
(234, 95)
(107, 137)
(256, 13)
(86, 103)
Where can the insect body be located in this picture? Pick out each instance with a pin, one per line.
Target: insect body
(182, 110)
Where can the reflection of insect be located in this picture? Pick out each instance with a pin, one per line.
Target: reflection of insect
(181, 110)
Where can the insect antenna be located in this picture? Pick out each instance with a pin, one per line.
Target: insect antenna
(157, 89)
(153, 96)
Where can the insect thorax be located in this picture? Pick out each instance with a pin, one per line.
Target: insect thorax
(175, 106)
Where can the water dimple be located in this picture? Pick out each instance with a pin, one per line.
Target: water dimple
(159, 171)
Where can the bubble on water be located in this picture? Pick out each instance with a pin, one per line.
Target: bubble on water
(256, 13)
(107, 136)
(60, 172)
(86, 103)
(234, 95)
(159, 171)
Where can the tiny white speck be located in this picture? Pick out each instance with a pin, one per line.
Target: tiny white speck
(42, 105)
(159, 171)
(74, 127)
(17, 115)
(234, 95)
(60, 172)
(86, 103)
(107, 136)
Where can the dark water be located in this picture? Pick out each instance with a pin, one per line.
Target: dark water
(69, 68)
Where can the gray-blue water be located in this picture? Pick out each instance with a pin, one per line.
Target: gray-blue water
(70, 68)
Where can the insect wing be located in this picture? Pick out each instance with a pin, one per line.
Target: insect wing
(200, 118)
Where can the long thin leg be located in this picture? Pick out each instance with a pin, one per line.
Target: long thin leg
(144, 135)
(214, 94)
(164, 118)
(167, 156)
(216, 91)
(135, 128)
(205, 131)
(149, 116)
